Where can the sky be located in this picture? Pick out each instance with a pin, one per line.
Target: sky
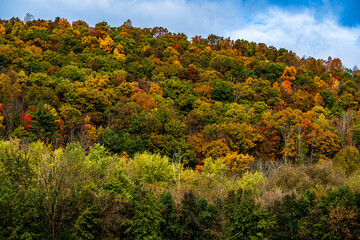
(319, 28)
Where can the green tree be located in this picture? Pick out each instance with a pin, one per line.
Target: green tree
(170, 227)
(146, 217)
(245, 219)
(328, 98)
(43, 122)
(291, 213)
(196, 218)
(150, 169)
(222, 91)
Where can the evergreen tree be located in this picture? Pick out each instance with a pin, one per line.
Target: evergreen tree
(43, 122)
(146, 217)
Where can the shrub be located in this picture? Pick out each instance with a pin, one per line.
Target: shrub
(305, 177)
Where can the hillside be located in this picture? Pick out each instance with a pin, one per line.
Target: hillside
(97, 123)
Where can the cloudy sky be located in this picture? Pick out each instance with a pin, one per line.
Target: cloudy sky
(319, 28)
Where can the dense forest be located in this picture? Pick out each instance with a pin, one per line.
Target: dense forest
(140, 133)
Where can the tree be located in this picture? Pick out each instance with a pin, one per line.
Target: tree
(71, 118)
(196, 218)
(150, 169)
(44, 122)
(328, 98)
(237, 163)
(222, 91)
(10, 97)
(348, 158)
(2, 30)
(169, 227)
(240, 137)
(268, 148)
(245, 218)
(290, 214)
(28, 17)
(146, 218)
(287, 78)
(107, 44)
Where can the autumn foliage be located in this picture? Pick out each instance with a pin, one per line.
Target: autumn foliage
(98, 121)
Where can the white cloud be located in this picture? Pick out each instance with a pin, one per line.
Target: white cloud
(304, 34)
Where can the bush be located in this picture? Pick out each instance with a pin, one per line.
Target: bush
(252, 181)
(302, 178)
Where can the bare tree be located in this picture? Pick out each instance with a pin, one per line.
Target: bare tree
(176, 167)
(28, 17)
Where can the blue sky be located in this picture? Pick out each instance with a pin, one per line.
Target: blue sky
(319, 28)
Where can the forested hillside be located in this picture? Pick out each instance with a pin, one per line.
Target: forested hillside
(140, 133)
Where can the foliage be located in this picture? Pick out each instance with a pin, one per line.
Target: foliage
(347, 158)
(237, 163)
(150, 169)
(96, 122)
(246, 219)
(146, 217)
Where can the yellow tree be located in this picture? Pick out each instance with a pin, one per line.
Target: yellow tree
(71, 119)
(90, 42)
(119, 52)
(215, 149)
(155, 88)
(237, 163)
(240, 136)
(107, 44)
(63, 23)
(2, 30)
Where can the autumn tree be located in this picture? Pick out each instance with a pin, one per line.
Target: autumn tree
(287, 78)
(237, 163)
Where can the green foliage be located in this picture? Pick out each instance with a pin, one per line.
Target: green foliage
(222, 91)
(328, 98)
(291, 213)
(246, 219)
(7, 201)
(146, 217)
(121, 142)
(337, 215)
(179, 91)
(169, 227)
(150, 169)
(269, 70)
(15, 163)
(44, 122)
(197, 218)
(29, 220)
(252, 181)
(86, 224)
